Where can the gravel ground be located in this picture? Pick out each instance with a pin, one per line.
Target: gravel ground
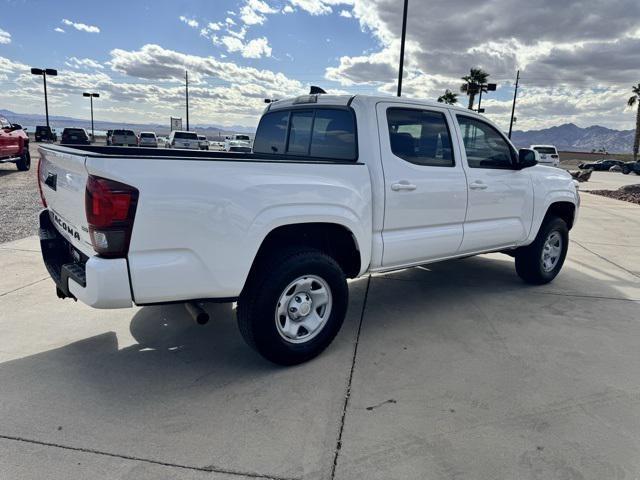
(628, 193)
(19, 200)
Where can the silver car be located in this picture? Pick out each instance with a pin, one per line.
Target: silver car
(148, 139)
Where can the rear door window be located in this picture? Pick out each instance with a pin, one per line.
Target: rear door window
(420, 137)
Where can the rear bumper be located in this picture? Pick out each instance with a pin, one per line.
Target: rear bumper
(97, 282)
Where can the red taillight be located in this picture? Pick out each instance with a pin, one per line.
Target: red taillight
(44, 202)
(110, 207)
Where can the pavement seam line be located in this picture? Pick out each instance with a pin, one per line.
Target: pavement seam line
(606, 259)
(528, 291)
(347, 394)
(24, 286)
(208, 469)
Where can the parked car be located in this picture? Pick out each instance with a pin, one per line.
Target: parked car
(237, 146)
(148, 139)
(75, 136)
(629, 167)
(204, 143)
(548, 154)
(44, 133)
(237, 141)
(14, 145)
(124, 138)
(326, 195)
(184, 140)
(162, 141)
(217, 146)
(109, 134)
(601, 165)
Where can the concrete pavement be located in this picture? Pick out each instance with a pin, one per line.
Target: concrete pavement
(454, 370)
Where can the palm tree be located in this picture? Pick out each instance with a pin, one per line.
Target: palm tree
(633, 100)
(449, 97)
(471, 87)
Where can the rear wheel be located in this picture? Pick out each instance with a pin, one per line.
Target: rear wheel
(626, 170)
(24, 163)
(540, 262)
(293, 305)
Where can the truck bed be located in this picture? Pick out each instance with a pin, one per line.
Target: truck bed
(178, 154)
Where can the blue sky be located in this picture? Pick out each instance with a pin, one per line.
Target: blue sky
(575, 67)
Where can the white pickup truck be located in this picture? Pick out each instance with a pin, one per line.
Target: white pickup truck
(336, 187)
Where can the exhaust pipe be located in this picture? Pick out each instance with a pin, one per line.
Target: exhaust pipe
(199, 315)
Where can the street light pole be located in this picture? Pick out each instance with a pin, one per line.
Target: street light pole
(186, 88)
(91, 96)
(513, 107)
(404, 35)
(43, 72)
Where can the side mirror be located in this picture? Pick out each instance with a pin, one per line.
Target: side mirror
(527, 158)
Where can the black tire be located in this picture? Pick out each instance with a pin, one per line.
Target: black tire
(529, 259)
(626, 170)
(24, 163)
(258, 303)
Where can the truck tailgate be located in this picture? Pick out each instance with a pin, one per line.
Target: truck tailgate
(63, 178)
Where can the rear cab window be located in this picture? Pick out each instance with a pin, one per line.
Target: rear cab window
(186, 136)
(546, 150)
(321, 133)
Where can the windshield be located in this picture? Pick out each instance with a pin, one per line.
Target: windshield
(186, 136)
(147, 135)
(123, 132)
(244, 138)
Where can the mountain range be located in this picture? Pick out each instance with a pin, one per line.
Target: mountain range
(570, 137)
(567, 137)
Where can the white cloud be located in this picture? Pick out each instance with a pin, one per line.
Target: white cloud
(346, 14)
(10, 66)
(288, 9)
(83, 63)
(214, 26)
(253, 12)
(153, 62)
(192, 22)
(59, 30)
(319, 7)
(5, 37)
(256, 48)
(229, 21)
(83, 27)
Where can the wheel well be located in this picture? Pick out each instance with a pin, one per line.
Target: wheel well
(335, 240)
(564, 210)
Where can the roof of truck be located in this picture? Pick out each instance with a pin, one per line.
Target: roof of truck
(345, 100)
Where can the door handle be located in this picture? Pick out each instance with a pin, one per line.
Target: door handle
(403, 185)
(478, 185)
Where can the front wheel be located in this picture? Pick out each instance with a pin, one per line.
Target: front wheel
(540, 262)
(626, 170)
(293, 306)
(24, 163)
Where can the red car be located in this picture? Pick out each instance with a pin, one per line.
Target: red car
(14, 145)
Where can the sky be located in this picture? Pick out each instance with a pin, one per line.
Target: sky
(578, 59)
